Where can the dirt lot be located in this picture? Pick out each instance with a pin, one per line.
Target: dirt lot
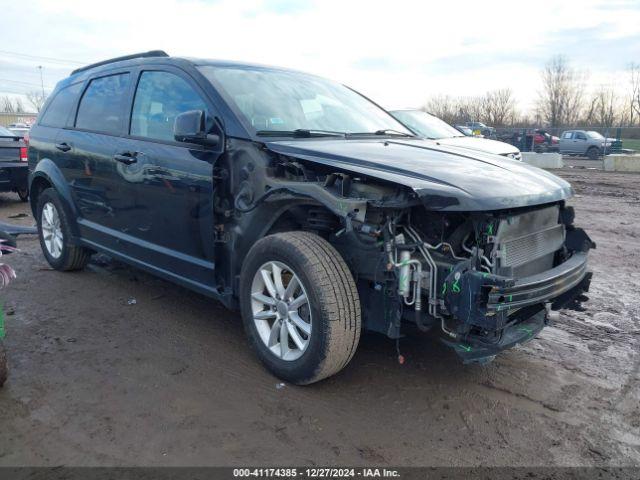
(169, 380)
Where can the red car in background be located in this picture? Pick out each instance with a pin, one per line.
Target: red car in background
(544, 141)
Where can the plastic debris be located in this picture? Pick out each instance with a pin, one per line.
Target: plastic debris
(280, 386)
(132, 301)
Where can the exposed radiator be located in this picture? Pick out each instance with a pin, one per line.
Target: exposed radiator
(525, 244)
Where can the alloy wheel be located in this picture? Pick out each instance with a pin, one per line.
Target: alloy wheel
(281, 310)
(51, 230)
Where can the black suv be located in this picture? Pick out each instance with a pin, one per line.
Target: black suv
(302, 203)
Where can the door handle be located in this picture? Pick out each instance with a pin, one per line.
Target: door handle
(64, 147)
(126, 157)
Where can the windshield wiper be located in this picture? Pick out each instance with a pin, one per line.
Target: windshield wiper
(300, 133)
(384, 131)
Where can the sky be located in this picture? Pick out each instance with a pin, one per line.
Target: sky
(398, 53)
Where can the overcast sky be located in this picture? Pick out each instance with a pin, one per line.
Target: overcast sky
(396, 52)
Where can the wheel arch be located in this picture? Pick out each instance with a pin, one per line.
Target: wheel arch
(48, 175)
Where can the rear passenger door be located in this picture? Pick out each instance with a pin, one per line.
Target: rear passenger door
(88, 149)
(171, 225)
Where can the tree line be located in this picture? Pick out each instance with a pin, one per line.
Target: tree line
(564, 100)
(35, 100)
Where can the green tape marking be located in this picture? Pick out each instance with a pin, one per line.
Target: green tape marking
(466, 348)
(455, 287)
(527, 330)
(444, 288)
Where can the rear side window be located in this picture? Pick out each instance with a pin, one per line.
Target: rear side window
(101, 105)
(567, 135)
(60, 106)
(160, 97)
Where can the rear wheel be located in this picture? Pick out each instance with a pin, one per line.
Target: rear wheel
(300, 306)
(55, 234)
(593, 153)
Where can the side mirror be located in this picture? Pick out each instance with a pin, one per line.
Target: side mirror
(191, 127)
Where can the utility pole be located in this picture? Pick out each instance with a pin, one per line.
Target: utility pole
(39, 67)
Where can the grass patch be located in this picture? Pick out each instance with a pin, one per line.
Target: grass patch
(632, 143)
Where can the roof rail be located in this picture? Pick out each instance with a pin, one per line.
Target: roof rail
(150, 53)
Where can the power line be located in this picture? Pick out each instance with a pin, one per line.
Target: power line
(23, 83)
(39, 58)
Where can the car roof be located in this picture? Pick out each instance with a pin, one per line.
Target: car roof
(161, 57)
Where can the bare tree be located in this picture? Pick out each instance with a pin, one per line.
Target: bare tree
(6, 104)
(443, 107)
(471, 109)
(36, 98)
(560, 102)
(499, 107)
(19, 106)
(634, 103)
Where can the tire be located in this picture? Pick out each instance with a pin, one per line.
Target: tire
(23, 194)
(593, 153)
(4, 371)
(64, 256)
(332, 308)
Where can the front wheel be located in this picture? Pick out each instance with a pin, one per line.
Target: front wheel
(593, 153)
(54, 231)
(300, 306)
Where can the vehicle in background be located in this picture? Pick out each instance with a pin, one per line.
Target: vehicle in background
(586, 143)
(303, 204)
(543, 141)
(431, 127)
(20, 129)
(479, 128)
(13, 164)
(466, 131)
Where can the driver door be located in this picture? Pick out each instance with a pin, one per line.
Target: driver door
(171, 226)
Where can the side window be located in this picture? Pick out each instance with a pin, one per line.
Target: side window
(160, 97)
(581, 136)
(101, 105)
(60, 106)
(567, 135)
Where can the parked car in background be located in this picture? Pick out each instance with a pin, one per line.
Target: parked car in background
(429, 126)
(584, 143)
(303, 204)
(466, 131)
(20, 129)
(479, 128)
(543, 141)
(13, 164)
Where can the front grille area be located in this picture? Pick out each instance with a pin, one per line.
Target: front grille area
(525, 244)
(518, 251)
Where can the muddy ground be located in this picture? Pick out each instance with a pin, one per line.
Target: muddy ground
(168, 380)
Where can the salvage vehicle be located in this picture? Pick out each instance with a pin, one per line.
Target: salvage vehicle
(13, 164)
(586, 143)
(429, 126)
(303, 204)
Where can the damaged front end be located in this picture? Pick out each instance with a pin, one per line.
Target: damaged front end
(486, 280)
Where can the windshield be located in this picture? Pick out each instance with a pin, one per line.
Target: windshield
(595, 135)
(426, 125)
(284, 101)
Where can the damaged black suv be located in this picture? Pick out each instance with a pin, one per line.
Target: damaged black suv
(302, 203)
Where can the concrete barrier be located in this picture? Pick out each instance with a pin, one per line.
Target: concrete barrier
(622, 163)
(543, 160)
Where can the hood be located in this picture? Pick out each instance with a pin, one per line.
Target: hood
(479, 144)
(445, 178)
